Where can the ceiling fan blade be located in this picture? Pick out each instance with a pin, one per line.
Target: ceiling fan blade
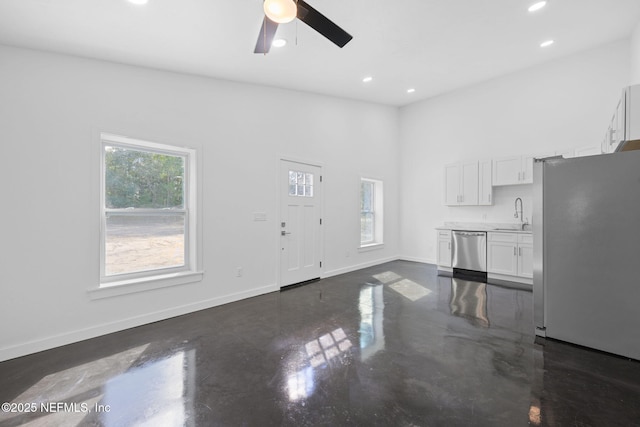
(267, 33)
(322, 24)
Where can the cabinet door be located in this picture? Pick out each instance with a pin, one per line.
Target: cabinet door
(588, 151)
(469, 183)
(444, 249)
(502, 258)
(620, 120)
(485, 189)
(526, 176)
(567, 154)
(507, 170)
(452, 184)
(525, 260)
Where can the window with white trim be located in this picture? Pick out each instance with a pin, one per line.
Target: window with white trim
(371, 212)
(148, 211)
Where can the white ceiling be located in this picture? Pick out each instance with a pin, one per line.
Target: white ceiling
(434, 46)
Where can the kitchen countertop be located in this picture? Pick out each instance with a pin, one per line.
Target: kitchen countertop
(485, 226)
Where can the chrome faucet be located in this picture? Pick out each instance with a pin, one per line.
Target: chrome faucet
(519, 213)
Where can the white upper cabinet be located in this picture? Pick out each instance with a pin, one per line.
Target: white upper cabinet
(461, 184)
(589, 150)
(452, 184)
(469, 182)
(514, 170)
(507, 170)
(632, 113)
(485, 186)
(625, 123)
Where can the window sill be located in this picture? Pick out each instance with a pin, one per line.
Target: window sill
(371, 247)
(123, 287)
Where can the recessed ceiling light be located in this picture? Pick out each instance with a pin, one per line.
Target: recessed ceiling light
(547, 43)
(411, 90)
(537, 6)
(139, 1)
(367, 79)
(279, 43)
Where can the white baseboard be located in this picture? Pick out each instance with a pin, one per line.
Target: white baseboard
(356, 267)
(417, 259)
(35, 346)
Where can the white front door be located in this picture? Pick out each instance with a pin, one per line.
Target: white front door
(300, 223)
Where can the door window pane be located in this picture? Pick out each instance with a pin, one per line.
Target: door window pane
(300, 184)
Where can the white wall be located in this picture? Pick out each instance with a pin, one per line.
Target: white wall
(635, 56)
(557, 105)
(50, 108)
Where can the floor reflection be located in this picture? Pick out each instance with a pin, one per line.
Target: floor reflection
(469, 301)
(112, 391)
(371, 306)
(300, 367)
(346, 350)
(164, 388)
(405, 287)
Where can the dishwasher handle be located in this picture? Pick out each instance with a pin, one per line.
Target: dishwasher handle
(470, 234)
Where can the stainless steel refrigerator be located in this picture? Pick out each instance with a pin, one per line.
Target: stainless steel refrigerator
(586, 230)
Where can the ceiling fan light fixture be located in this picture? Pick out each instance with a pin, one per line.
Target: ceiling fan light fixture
(280, 11)
(279, 43)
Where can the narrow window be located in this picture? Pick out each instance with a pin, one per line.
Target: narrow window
(371, 206)
(147, 209)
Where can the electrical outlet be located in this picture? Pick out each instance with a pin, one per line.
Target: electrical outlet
(239, 272)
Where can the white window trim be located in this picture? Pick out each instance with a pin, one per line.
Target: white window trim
(142, 281)
(378, 209)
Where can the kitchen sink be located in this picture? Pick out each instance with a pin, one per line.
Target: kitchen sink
(527, 227)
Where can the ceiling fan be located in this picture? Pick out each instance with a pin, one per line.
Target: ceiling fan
(283, 11)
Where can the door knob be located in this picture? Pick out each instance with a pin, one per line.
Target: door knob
(284, 233)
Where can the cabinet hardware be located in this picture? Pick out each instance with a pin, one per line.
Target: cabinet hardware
(514, 251)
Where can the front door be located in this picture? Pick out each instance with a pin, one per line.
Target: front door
(300, 223)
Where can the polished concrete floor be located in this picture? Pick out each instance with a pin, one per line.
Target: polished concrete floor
(391, 345)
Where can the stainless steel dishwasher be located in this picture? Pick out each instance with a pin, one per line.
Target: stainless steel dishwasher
(470, 250)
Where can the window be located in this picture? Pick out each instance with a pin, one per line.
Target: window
(371, 211)
(300, 184)
(148, 211)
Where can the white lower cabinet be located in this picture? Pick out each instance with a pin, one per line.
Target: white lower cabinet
(510, 256)
(444, 248)
(525, 256)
